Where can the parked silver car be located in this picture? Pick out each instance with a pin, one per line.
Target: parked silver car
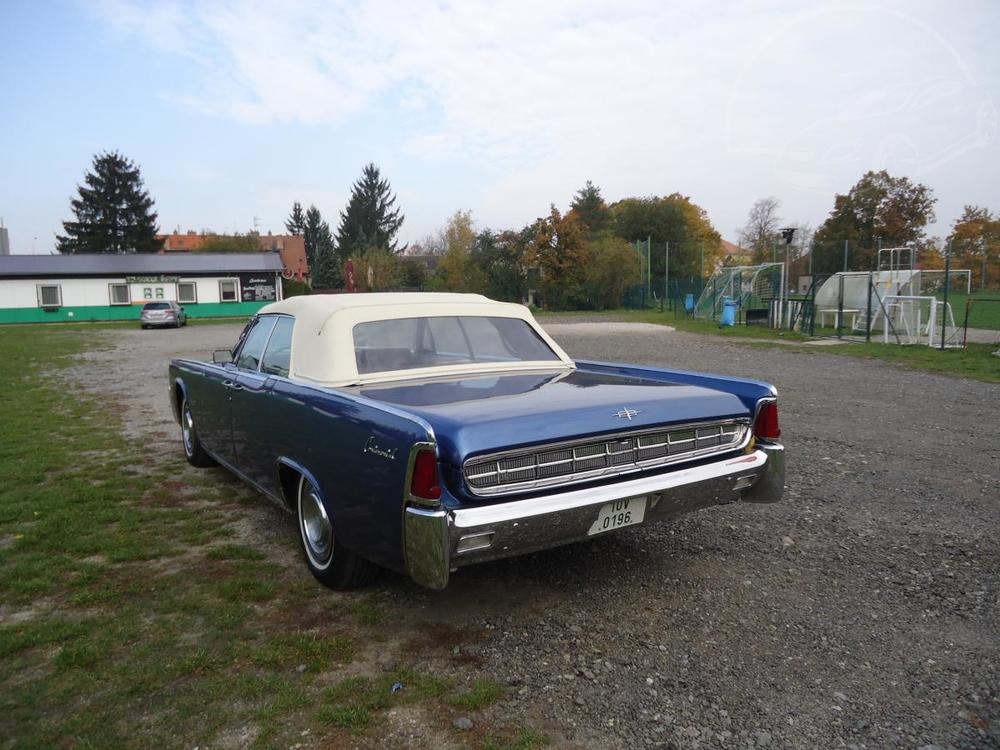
(158, 314)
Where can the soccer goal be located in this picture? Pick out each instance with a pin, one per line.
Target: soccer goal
(917, 319)
(757, 288)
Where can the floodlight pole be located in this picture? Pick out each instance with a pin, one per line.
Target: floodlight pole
(845, 256)
(666, 269)
(944, 307)
(649, 264)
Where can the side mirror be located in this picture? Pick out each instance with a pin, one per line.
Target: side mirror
(222, 356)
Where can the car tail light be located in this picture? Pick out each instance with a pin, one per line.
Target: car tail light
(424, 482)
(766, 424)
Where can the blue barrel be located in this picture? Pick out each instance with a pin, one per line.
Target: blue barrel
(689, 302)
(728, 312)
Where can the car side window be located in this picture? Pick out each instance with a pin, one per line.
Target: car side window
(253, 345)
(279, 349)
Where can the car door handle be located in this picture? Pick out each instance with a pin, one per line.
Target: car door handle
(232, 385)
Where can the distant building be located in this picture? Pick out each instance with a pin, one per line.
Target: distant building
(106, 286)
(4, 241)
(292, 248)
(734, 255)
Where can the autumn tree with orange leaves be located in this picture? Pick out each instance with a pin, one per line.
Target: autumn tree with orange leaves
(559, 252)
(974, 243)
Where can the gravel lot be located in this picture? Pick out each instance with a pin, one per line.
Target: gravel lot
(861, 612)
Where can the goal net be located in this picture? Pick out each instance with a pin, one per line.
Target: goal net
(958, 282)
(918, 319)
(751, 287)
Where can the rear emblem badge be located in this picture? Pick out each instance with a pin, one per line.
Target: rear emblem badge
(627, 413)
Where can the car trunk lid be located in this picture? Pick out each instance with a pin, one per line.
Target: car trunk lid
(483, 414)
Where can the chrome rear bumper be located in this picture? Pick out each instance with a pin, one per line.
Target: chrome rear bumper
(438, 541)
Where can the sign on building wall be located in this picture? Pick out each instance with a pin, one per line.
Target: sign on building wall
(154, 279)
(257, 287)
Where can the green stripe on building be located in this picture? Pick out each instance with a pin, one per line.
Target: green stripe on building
(122, 312)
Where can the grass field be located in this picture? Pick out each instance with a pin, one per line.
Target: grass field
(135, 613)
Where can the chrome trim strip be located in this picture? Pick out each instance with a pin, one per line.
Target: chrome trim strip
(473, 468)
(564, 501)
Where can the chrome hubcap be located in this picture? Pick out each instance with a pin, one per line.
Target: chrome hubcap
(187, 429)
(317, 532)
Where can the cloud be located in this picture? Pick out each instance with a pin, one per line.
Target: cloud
(472, 76)
(639, 95)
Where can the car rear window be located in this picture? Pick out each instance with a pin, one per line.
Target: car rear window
(413, 343)
(156, 306)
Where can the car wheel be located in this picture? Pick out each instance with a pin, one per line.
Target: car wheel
(330, 563)
(195, 454)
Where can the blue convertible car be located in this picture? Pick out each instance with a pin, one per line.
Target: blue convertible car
(426, 432)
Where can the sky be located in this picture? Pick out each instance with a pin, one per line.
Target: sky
(233, 110)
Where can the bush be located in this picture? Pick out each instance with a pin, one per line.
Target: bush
(293, 288)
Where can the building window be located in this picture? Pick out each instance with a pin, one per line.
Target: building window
(147, 292)
(120, 294)
(187, 292)
(159, 292)
(49, 295)
(228, 291)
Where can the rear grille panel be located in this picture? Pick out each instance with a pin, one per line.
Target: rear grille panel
(578, 461)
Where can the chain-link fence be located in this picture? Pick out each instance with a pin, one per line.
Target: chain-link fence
(902, 307)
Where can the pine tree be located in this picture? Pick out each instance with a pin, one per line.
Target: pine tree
(369, 221)
(326, 273)
(296, 221)
(591, 209)
(310, 233)
(114, 213)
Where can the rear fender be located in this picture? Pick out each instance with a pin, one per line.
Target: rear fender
(291, 500)
(177, 384)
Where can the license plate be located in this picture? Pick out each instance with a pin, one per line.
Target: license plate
(619, 513)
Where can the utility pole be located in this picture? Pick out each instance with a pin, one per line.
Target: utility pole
(702, 277)
(845, 256)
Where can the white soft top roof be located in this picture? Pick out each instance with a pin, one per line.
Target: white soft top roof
(323, 337)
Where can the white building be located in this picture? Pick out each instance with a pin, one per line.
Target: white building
(51, 288)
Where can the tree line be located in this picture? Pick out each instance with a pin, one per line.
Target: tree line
(880, 211)
(583, 257)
